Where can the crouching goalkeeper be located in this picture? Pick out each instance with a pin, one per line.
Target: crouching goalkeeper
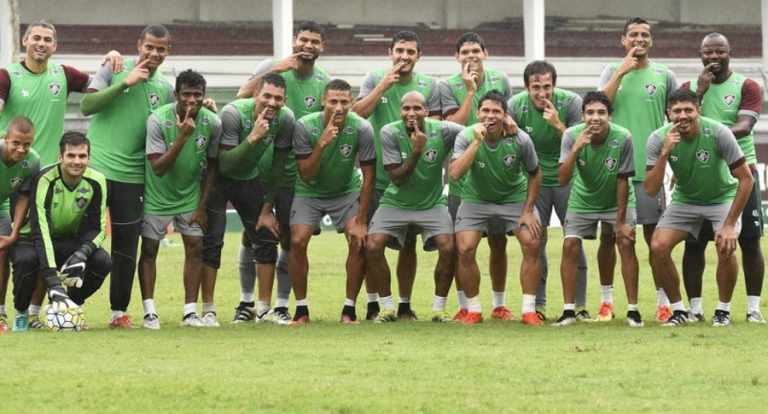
(67, 224)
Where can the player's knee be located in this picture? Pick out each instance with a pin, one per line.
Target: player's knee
(660, 247)
(530, 247)
(193, 247)
(445, 246)
(607, 238)
(466, 252)
(100, 263)
(498, 242)
(571, 247)
(374, 246)
(625, 244)
(265, 253)
(299, 242)
(750, 246)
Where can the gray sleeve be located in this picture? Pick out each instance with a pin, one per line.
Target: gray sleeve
(527, 151)
(102, 78)
(390, 147)
(434, 105)
(264, 67)
(215, 139)
(301, 142)
(605, 77)
(511, 109)
(566, 144)
(155, 142)
(671, 82)
(727, 146)
(462, 143)
(653, 149)
(169, 87)
(573, 112)
(366, 148)
(230, 127)
(285, 131)
(507, 93)
(369, 83)
(627, 165)
(449, 131)
(447, 100)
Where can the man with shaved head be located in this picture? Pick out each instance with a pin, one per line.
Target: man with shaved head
(413, 150)
(736, 101)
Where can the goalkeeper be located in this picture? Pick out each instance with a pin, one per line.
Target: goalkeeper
(67, 224)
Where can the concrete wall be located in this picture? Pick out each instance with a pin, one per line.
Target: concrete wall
(444, 13)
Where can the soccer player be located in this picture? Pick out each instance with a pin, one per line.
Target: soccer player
(327, 144)
(460, 95)
(736, 101)
(182, 146)
(414, 150)
(638, 89)
(600, 152)
(67, 224)
(379, 101)
(502, 182)
(544, 111)
(305, 83)
(121, 103)
(20, 164)
(705, 158)
(250, 128)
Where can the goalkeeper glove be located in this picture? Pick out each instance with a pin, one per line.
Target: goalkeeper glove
(73, 269)
(60, 301)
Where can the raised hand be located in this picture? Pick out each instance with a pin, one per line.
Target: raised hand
(551, 115)
(418, 139)
(260, 128)
(671, 140)
(139, 73)
(186, 125)
(630, 62)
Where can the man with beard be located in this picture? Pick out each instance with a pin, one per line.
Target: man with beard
(736, 101)
(502, 183)
(250, 127)
(328, 146)
(304, 85)
(705, 158)
(379, 101)
(460, 95)
(600, 153)
(121, 103)
(638, 89)
(414, 150)
(182, 141)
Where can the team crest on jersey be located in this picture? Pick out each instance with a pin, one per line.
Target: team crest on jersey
(54, 88)
(345, 150)
(81, 201)
(268, 139)
(200, 141)
(16, 182)
(154, 99)
(650, 89)
(610, 163)
(25, 164)
(431, 155)
(247, 124)
(384, 100)
(529, 130)
(524, 109)
(309, 101)
(707, 131)
(702, 155)
(509, 159)
(481, 164)
(422, 83)
(729, 99)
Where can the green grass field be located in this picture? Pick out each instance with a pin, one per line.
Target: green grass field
(494, 367)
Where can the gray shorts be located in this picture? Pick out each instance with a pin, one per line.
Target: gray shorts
(482, 216)
(553, 198)
(154, 226)
(584, 225)
(310, 211)
(690, 217)
(5, 225)
(648, 209)
(396, 222)
(496, 226)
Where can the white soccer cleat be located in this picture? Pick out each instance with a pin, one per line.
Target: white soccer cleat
(192, 320)
(209, 320)
(151, 321)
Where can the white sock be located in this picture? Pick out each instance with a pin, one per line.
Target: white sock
(661, 297)
(696, 306)
(149, 307)
(569, 306)
(387, 303)
(247, 297)
(632, 307)
(606, 292)
(373, 297)
(724, 306)
(117, 314)
(209, 307)
(281, 303)
(302, 302)
(2, 309)
(349, 302)
(529, 303)
(404, 299)
(678, 306)
(753, 304)
(473, 304)
(190, 308)
(462, 299)
(438, 303)
(499, 299)
(33, 310)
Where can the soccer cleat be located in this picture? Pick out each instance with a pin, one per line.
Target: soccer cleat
(695, 317)
(502, 313)
(372, 312)
(406, 315)
(209, 320)
(244, 312)
(721, 318)
(3, 319)
(192, 320)
(440, 317)
(755, 317)
(605, 313)
(349, 319)
(472, 318)
(386, 317)
(663, 313)
(35, 322)
(583, 315)
(151, 321)
(264, 316)
(678, 318)
(281, 316)
(122, 322)
(21, 322)
(567, 318)
(300, 320)
(532, 319)
(541, 312)
(634, 319)
(460, 315)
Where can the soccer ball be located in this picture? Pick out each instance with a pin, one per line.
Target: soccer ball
(70, 320)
